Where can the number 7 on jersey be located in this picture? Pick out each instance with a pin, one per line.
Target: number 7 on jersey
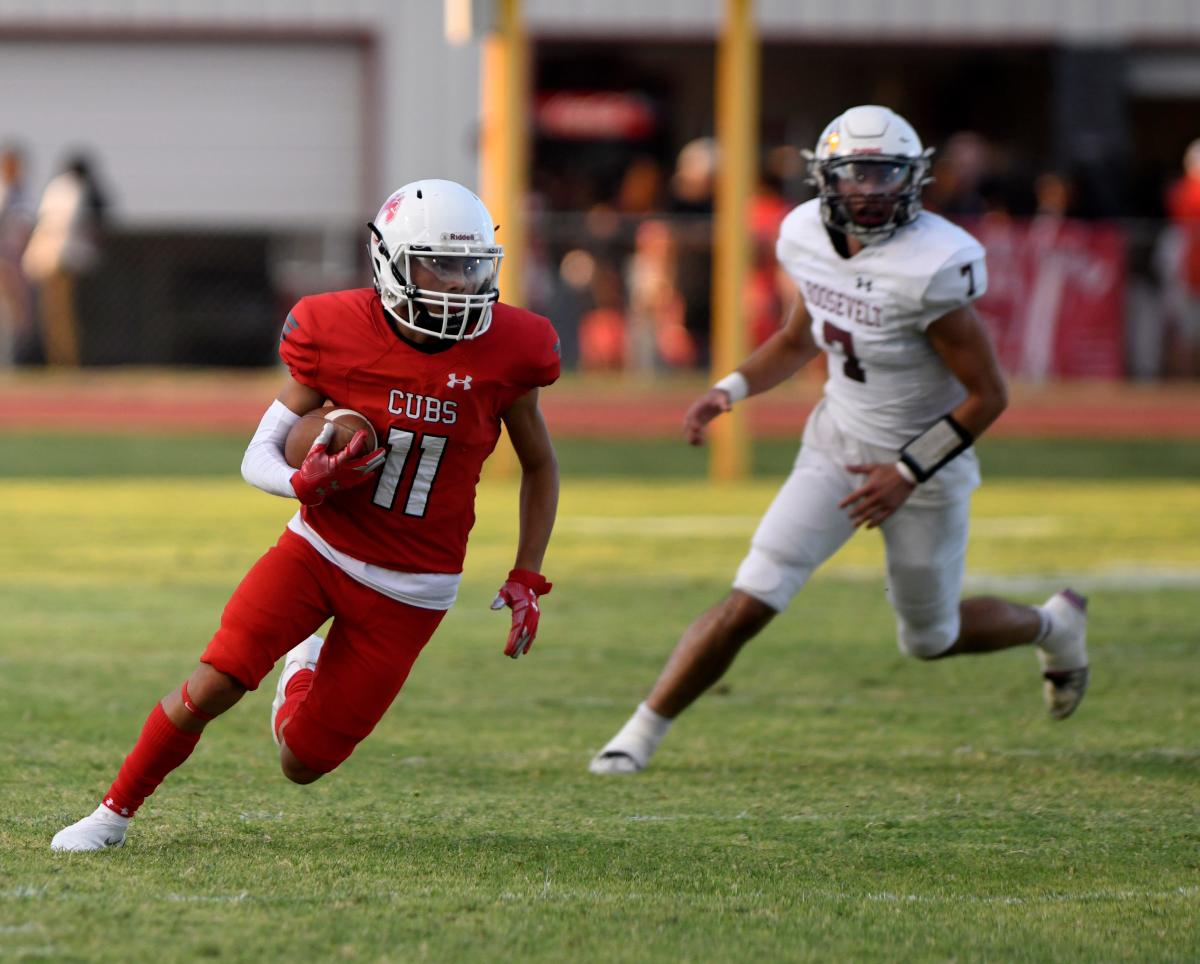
(851, 367)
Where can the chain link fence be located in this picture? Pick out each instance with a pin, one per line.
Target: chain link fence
(1066, 298)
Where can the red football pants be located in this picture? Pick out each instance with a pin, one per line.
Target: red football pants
(371, 646)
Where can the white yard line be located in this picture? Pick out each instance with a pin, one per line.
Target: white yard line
(209, 899)
(1005, 527)
(654, 526)
(1129, 576)
(1082, 897)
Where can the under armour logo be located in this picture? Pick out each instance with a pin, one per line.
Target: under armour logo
(453, 381)
(863, 283)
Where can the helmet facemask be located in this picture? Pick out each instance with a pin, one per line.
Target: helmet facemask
(446, 290)
(869, 168)
(869, 197)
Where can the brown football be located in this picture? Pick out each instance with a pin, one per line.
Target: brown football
(304, 433)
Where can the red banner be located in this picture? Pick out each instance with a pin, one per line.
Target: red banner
(1055, 302)
(589, 115)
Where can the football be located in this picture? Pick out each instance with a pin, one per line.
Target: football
(304, 433)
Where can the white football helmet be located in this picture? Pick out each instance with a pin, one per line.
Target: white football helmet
(869, 168)
(435, 260)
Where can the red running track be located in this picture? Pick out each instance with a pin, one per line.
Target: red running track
(233, 402)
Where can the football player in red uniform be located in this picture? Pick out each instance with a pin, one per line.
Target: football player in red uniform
(436, 363)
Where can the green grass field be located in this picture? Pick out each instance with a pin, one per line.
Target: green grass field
(830, 801)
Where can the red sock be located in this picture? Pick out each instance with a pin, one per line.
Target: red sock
(160, 749)
(293, 695)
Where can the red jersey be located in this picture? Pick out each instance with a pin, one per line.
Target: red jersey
(437, 412)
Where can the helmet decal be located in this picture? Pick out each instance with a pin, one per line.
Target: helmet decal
(390, 206)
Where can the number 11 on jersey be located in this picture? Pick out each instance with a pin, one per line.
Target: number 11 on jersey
(400, 443)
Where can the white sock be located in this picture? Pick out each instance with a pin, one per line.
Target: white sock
(1062, 645)
(111, 816)
(1044, 627)
(641, 734)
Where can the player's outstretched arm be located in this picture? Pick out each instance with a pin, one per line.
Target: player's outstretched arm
(776, 359)
(539, 506)
(263, 464)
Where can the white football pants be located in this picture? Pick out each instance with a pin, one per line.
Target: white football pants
(925, 539)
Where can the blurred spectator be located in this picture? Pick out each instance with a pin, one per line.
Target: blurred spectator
(65, 244)
(1054, 195)
(767, 287)
(639, 198)
(694, 181)
(656, 308)
(1180, 259)
(1183, 205)
(603, 340)
(16, 221)
(1053, 198)
(641, 187)
(960, 169)
(693, 186)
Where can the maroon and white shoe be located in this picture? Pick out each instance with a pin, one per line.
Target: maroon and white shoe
(1063, 653)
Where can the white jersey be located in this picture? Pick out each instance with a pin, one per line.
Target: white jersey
(869, 313)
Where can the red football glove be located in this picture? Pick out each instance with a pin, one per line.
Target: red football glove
(322, 474)
(520, 593)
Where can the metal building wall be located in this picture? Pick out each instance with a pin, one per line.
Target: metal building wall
(1066, 20)
(423, 94)
(196, 132)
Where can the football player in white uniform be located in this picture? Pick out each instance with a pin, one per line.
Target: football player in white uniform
(886, 292)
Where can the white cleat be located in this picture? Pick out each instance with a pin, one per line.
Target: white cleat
(609, 762)
(300, 657)
(97, 831)
(630, 750)
(1063, 654)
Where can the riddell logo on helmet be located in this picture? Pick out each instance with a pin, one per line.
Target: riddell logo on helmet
(457, 236)
(867, 150)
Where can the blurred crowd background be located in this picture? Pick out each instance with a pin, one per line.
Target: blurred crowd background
(174, 176)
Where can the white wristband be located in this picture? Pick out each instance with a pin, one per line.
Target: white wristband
(735, 386)
(906, 473)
